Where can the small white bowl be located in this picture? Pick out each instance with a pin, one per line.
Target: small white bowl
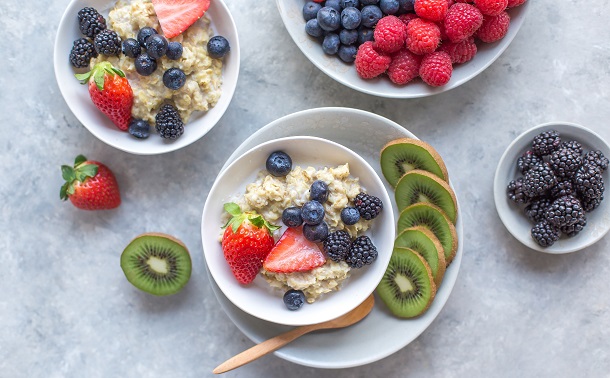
(512, 215)
(258, 298)
(77, 96)
(292, 16)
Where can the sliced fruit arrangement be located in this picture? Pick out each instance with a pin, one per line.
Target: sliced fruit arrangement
(175, 16)
(90, 185)
(403, 155)
(420, 186)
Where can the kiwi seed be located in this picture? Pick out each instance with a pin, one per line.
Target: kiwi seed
(423, 241)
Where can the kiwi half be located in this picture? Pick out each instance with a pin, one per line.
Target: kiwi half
(432, 218)
(423, 241)
(158, 264)
(421, 186)
(407, 287)
(403, 155)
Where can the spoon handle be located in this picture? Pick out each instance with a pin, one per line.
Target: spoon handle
(261, 349)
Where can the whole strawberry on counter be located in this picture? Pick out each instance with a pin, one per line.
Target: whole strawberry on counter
(110, 92)
(246, 242)
(90, 185)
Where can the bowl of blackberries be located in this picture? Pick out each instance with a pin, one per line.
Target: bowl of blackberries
(549, 188)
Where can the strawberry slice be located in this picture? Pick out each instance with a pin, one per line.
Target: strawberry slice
(293, 253)
(175, 16)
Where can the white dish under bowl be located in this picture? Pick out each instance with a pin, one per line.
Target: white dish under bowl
(512, 215)
(77, 96)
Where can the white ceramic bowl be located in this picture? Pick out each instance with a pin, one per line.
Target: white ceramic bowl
(258, 298)
(511, 214)
(291, 12)
(77, 96)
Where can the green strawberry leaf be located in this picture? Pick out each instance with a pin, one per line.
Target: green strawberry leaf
(258, 221)
(117, 72)
(68, 173)
(272, 227)
(232, 208)
(89, 170)
(63, 192)
(98, 77)
(236, 222)
(80, 159)
(84, 77)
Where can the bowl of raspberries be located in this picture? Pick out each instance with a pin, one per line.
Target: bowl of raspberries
(402, 48)
(549, 188)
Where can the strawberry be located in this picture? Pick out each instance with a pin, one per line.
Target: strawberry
(246, 242)
(110, 92)
(294, 253)
(90, 185)
(175, 16)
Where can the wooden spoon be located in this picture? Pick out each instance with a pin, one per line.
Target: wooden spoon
(279, 341)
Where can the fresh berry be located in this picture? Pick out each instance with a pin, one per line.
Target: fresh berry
(156, 46)
(294, 299)
(310, 10)
(218, 47)
(139, 128)
(596, 158)
(246, 242)
(546, 142)
(131, 48)
(565, 162)
(348, 37)
(368, 206)
(337, 245)
(175, 16)
(143, 35)
(515, 3)
(406, 5)
(590, 204)
(538, 180)
(563, 187)
(107, 42)
(335, 4)
(537, 208)
(174, 78)
(423, 36)
(564, 211)
(174, 50)
(291, 216)
(331, 44)
(145, 65)
(462, 21)
(168, 123)
(90, 185)
(110, 92)
(82, 52)
(436, 69)
(494, 28)
(365, 34)
(389, 6)
(433, 10)
(404, 67)
(545, 234)
(329, 19)
(347, 53)
(350, 18)
(369, 2)
(362, 252)
(349, 3)
(313, 28)
(370, 63)
(528, 160)
(318, 191)
(460, 52)
(316, 233)
(572, 145)
(279, 163)
(515, 193)
(407, 17)
(573, 229)
(371, 14)
(491, 7)
(293, 253)
(350, 216)
(588, 182)
(312, 212)
(90, 22)
(390, 34)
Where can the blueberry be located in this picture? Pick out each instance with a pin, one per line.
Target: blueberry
(294, 299)
(312, 212)
(349, 3)
(329, 19)
(313, 28)
(389, 6)
(348, 37)
(371, 14)
(350, 18)
(406, 5)
(156, 46)
(279, 164)
(218, 47)
(318, 191)
(310, 10)
(368, 2)
(335, 4)
(291, 216)
(331, 43)
(145, 65)
(350, 215)
(174, 78)
(316, 233)
(143, 35)
(347, 53)
(174, 50)
(139, 128)
(364, 34)
(131, 48)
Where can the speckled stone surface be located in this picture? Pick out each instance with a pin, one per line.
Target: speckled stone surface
(66, 309)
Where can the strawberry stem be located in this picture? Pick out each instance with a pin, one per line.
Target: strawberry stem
(238, 217)
(79, 173)
(97, 74)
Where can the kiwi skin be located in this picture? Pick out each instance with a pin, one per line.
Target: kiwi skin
(402, 240)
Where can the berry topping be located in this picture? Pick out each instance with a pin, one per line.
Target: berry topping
(174, 78)
(82, 52)
(316, 233)
(145, 65)
(174, 50)
(168, 122)
(293, 253)
(390, 34)
(90, 22)
(139, 128)
(291, 217)
(218, 47)
(436, 68)
(175, 16)
(312, 212)
(370, 63)
(318, 191)
(156, 46)
(294, 299)
(143, 35)
(368, 206)
(337, 245)
(131, 48)
(362, 252)
(350, 216)
(279, 164)
(107, 42)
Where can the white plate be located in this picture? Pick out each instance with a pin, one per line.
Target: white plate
(77, 96)
(291, 12)
(380, 333)
(511, 214)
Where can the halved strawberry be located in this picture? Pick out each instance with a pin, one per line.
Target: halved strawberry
(175, 16)
(293, 253)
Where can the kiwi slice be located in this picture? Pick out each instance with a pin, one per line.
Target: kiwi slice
(156, 263)
(431, 217)
(403, 155)
(423, 241)
(421, 186)
(407, 286)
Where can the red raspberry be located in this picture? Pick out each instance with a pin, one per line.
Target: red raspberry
(460, 52)
(404, 67)
(462, 21)
(370, 63)
(494, 28)
(423, 36)
(407, 17)
(514, 3)
(390, 34)
(433, 10)
(436, 68)
(491, 7)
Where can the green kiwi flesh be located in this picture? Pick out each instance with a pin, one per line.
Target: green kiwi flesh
(423, 241)
(156, 263)
(421, 186)
(407, 286)
(403, 155)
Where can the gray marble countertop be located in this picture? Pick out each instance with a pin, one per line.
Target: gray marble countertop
(66, 309)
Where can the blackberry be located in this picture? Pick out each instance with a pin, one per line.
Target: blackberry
(169, 124)
(546, 142)
(82, 52)
(572, 145)
(545, 234)
(368, 206)
(528, 160)
(564, 211)
(563, 188)
(361, 253)
(535, 211)
(107, 42)
(90, 22)
(538, 180)
(588, 182)
(596, 158)
(337, 245)
(514, 190)
(565, 162)
(590, 204)
(574, 229)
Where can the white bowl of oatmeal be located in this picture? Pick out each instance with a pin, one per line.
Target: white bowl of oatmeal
(332, 289)
(201, 102)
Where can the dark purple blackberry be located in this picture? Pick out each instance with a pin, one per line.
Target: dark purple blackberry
(564, 211)
(572, 145)
(588, 181)
(535, 211)
(565, 162)
(337, 245)
(82, 52)
(545, 234)
(107, 42)
(361, 253)
(596, 158)
(545, 143)
(90, 22)
(538, 180)
(514, 190)
(574, 229)
(168, 122)
(563, 188)
(590, 204)
(368, 206)
(528, 160)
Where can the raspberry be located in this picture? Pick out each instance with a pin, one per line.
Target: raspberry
(436, 68)
(407, 17)
(404, 67)
(462, 21)
(515, 3)
(390, 34)
(494, 28)
(433, 10)
(423, 36)
(491, 7)
(460, 52)
(370, 63)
